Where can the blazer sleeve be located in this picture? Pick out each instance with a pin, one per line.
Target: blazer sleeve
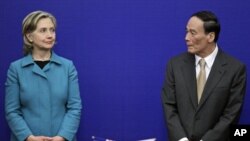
(13, 112)
(175, 129)
(233, 108)
(71, 119)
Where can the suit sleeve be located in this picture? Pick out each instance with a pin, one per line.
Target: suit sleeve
(71, 120)
(175, 129)
(233, 108)
(13, 112)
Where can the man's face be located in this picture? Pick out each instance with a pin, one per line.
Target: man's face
(196, 39)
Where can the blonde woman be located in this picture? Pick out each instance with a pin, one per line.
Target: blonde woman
(42, 100)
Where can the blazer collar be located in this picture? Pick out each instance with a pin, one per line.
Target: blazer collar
(28, 60)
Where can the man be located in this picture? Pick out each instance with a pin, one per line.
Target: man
(202, 101)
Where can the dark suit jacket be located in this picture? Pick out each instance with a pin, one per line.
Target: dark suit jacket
(220, 104)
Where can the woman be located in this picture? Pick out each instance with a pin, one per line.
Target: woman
(42, 100)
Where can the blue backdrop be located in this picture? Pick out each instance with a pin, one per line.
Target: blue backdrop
(120, 48)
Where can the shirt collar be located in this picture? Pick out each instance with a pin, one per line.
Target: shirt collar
(209, 59)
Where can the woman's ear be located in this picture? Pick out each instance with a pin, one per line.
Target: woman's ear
(29, 37)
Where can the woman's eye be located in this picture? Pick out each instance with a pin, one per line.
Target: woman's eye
(52, 30)
(43, 30)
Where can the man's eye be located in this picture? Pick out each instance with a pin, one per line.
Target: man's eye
(193, 33)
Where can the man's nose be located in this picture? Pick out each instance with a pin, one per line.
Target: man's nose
(187, 37)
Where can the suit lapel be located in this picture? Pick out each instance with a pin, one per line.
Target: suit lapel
(216, 73)
(189, 74)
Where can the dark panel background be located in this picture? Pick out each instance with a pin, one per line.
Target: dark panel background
(120, 48)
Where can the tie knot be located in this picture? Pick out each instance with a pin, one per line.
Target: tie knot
(202, 63)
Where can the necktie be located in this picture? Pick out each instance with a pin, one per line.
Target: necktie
(201, 80)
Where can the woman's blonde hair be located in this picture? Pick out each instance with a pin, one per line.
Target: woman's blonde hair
(30, 24)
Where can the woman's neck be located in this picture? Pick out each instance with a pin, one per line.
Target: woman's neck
(41, 55)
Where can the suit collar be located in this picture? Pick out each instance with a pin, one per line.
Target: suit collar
(189, 74)
(216, 73)
(209, 59)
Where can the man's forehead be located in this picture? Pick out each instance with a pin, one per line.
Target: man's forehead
(195, 23)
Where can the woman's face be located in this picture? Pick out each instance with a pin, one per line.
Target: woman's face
(43, 38)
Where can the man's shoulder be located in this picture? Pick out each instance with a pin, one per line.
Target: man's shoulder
(231, 59)
(182, 56)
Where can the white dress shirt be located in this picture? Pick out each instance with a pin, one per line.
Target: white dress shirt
(209, 62)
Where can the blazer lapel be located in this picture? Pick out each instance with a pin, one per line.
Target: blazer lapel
(214, 77)
(28, 61)
(37, 70)
(189, 74)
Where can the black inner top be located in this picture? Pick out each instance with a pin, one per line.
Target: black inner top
(41, 64)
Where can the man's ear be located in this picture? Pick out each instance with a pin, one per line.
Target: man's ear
(211, 37)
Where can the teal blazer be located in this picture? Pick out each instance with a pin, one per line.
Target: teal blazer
(42, 102)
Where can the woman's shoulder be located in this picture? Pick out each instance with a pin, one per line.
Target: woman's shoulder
(60, 59)
(21, 61)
